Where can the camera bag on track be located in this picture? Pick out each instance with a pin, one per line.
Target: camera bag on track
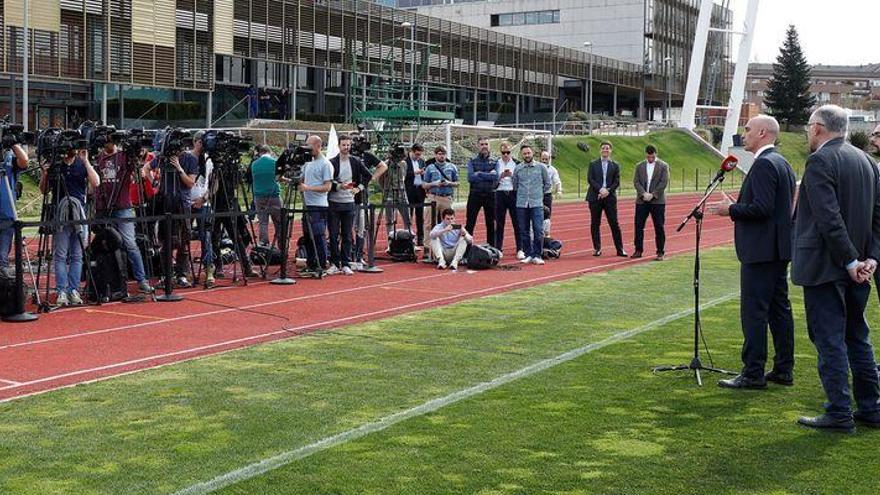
(108, 264)
(401, 246)
(482, 256)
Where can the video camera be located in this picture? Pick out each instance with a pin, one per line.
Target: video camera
(293, 158)
(397, 152)
(54, 144)
(12, 134)
(131, 141)
(171, 141)
(225, 148)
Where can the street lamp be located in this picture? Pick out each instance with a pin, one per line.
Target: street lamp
(668, 104)
(589, 46)
(412, 67)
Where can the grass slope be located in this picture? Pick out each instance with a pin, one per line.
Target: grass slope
(793, 146)
(161, 430)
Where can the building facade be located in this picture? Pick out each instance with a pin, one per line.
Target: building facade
(849, 86)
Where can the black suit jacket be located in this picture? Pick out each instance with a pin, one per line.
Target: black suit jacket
(763, 211)
(413, 192)
(594, 177)
(838, 214)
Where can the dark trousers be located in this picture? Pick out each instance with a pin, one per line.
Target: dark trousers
(658, 218)
(764, 301)
(609, 206)
(416, 196)
(531, 230)
(505, 204)
(837, 327)
(548, 202)
(314, 224)
(486, 202)
(341, 215)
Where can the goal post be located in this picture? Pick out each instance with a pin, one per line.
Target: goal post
(461, 141)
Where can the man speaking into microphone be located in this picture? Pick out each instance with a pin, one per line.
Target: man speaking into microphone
(762, 217)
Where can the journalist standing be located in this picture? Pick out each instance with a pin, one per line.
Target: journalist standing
(267, 193)
(440, 181)
(762, 236)
(483, 178)
(836, 248)
(317, 182)
(531, 181)
(350, 177)
(69, 204)
(200, 195)
(415, 193)
(650, 181)
(14, 160)
(183, 169)
(505, 200)
(604, 179)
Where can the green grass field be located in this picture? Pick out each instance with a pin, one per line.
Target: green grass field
(600, 423)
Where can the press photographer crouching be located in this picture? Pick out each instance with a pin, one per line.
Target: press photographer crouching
(449, 241)
(116, 168)
(14, 160)
(350, 177)
(66, 173)
(316, 183)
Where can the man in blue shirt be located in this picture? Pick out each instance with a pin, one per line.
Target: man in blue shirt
(13, 160)
(449, 241)
(440, 181)
(531, 181)
(68, 203)
(316, 183)
(483, 178)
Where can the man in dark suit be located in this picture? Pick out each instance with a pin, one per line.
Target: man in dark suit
(650, 181)
(762, 235)
(836, 248)
(604, 179)
(415, 193)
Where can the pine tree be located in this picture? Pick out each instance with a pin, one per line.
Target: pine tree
(788, 91)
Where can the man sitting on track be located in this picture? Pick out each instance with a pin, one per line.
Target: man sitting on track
(449, 241)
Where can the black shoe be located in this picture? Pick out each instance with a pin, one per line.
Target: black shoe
(741, 381)
(826, 422)
(637, 254)
(660, 257)
(597, 252)
(870, 420)
(622, 254)
(780, 378)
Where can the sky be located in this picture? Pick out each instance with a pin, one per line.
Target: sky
(839, 32)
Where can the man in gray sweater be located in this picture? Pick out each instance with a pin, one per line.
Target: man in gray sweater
(531, 182)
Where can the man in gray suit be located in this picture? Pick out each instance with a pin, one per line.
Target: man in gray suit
(836, 248)
(650, 181)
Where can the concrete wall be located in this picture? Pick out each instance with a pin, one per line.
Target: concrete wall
(616, 27)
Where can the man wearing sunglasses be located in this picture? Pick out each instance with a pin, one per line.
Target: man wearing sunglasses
(505, 200)
(482, 175)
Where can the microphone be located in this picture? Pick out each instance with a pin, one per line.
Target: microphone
(728, 165)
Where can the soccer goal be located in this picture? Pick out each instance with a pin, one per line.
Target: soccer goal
(461, 141)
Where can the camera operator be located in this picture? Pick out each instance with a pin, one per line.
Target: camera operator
(350, 177)
(14, 159)
(267, 193)
(200, 195)
(360, 148)
(317, 182)
(115, 173)
(394, 191)
(68, 203)
(185, 169)
(449, 241)
(415, 193)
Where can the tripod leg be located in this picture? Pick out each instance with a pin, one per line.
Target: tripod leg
(699, 378)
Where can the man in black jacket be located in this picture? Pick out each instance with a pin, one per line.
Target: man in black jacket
(836, 248)
(415, 193)
(350, 177)
(762, 235)
(604, 179)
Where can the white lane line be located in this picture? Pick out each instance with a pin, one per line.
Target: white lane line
(289, 331)
(9, 382)
(313, 296)
(285, 458)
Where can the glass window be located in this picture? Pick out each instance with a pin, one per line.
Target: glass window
(305, 78)
(505, 20)
(517, 19)
(333, 82)
(334, 105)
(556, 16)
(531, 18)
(305, 103)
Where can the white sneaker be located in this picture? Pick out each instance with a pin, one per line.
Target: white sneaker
(75, 298)
(62, 300)
(441, 266)
(537, 261)
(355, 265)
(453, 268)
(520, 255)
(333, 270)
(526, 260)
(347, 271)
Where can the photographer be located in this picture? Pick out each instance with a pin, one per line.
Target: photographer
(360, 148)
(200, 195)
(178, 175)
(394, 191)
(449, 241)
(68, 202)
(350, 177)
(415, 193)
(113, 199)
(14, 159)
(317, 182)
(267, 193)
(440, 181)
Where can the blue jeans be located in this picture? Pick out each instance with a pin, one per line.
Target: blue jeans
(68, 255)
(534, 247)
(126, 230)
(315, 229)
(203, 224)
(7, 234)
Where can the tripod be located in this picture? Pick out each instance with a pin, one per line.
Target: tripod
(696, 363)
(20, 316)
(226, 198)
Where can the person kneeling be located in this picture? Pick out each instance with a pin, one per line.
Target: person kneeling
(449, 241)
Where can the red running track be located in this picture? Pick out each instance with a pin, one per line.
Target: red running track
(77, 345)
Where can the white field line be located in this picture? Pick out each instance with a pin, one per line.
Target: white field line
(285, 458)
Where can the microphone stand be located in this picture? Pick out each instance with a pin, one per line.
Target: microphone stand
(696, 363)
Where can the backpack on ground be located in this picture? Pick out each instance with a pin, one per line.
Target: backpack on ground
(552, 248)
(266, 255)
(109, 266)
(401, 246)
(482, 256)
